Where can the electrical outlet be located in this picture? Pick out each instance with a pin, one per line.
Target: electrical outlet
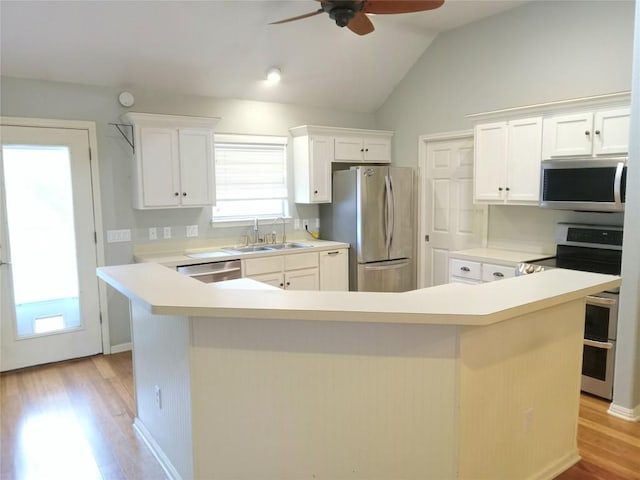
(153, 233)
(114, 236)
(192, 230)
(317, 222)
(305, 224)
(157, 396)
(296, 224)
(166, 232)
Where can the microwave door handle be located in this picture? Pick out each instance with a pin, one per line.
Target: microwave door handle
(617, 184)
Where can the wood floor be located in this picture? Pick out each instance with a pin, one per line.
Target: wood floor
(72, 420)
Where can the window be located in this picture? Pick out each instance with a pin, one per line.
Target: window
(251, 177)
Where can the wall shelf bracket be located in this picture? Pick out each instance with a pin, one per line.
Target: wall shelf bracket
(126, 137)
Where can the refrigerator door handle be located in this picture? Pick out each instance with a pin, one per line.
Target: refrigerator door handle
(388, 207)
(392, 210)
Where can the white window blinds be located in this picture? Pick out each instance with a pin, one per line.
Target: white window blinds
(251, 177)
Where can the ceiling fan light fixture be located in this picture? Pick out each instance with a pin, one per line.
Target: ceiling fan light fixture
(274, 75)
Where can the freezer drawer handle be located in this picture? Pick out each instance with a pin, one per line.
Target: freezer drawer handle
(465, 269)
(593, 300)
(388, 266)
(593, 343)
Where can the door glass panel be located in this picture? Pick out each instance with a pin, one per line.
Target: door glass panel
(42, 240)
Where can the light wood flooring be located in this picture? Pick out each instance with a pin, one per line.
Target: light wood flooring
(73, 420)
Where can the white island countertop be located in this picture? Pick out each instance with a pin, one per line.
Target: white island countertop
(164, 291)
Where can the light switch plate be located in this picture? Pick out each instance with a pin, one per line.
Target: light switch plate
(192, 230)
(153, 233)
(166, 232)
(296, 224)
(115, 236)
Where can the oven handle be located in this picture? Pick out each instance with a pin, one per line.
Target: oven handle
(617, 184)
(593, 300)
(593, 343)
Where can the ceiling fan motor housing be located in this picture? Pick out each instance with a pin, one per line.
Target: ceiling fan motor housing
(342, 11)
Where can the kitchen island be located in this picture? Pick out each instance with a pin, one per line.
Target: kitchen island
(450, 382)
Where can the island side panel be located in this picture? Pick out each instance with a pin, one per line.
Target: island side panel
(286, 399)
(519, 395)
(161, 358)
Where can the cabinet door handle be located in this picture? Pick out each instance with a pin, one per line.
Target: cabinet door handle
(282, 285)
(507, 189)
(184, 194)
(499, 189)
(288, 284)
(315, 192)
(597, 132)
(362, 149)
(465, 269)
(366, 149)
(176, 194)
(498, 274)
(587, 132)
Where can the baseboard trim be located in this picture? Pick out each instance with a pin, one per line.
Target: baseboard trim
(628, 414)
(122, 347)
(557, 467)
(155, 449)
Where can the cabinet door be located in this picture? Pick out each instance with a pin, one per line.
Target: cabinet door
(196, 167)
(348, 149)
(377, 150)
(321, 153)
(273, 279)
(568, 135)
(334, 270)
(524, 157)
(159, 160)
(490, 161)
(301, 279)
(611, 132)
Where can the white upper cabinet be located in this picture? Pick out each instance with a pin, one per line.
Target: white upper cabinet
(507, 162)
(312, 155)
(316, 147)
(604, 132)
(356, 149)
(173, 161)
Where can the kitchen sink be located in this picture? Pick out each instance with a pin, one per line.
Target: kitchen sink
(247, 249)
(284, 246)
(265, 248)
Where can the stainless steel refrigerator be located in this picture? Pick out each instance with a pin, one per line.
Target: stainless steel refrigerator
(372, 210)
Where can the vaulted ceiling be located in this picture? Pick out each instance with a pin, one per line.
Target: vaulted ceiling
(223, 48)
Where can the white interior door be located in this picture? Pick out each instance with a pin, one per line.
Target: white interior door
(449, 219)
(49, 299)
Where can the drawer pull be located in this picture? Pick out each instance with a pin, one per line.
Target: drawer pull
(498, 274)
(465, 269)
(333, 253)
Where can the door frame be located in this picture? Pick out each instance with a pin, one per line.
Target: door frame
(423, 142)
(90, 127)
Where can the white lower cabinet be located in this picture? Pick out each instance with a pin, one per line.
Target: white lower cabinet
(466, 271)
(290, 272)
(326, 270)
(334, 270)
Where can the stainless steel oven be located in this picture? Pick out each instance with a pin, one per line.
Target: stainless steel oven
(591, 248)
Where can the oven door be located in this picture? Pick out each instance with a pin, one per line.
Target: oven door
(597, 368)
(601, 318)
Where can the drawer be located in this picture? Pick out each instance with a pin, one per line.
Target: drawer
(468, 281)
(301, 260)
(465, 269)
(257, 266)
(496, 272)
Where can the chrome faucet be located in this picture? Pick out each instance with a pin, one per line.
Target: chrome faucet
(255, 230)
(284, 230)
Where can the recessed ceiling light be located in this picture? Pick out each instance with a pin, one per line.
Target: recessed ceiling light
(273, 75)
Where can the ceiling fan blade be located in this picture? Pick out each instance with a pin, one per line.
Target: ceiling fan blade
(400, 6)
(299, 17)
(360, 24)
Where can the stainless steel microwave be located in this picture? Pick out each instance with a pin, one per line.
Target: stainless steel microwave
(584, 184)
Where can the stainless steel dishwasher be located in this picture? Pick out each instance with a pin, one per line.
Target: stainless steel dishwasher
(212, 271)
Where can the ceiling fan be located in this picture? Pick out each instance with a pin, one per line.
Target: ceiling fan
(352, 13)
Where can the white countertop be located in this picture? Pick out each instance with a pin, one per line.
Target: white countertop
(216, 254)
(500, 256)
(164, 291)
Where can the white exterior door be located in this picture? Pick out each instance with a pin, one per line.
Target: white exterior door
(49, 303)
(448, 217)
